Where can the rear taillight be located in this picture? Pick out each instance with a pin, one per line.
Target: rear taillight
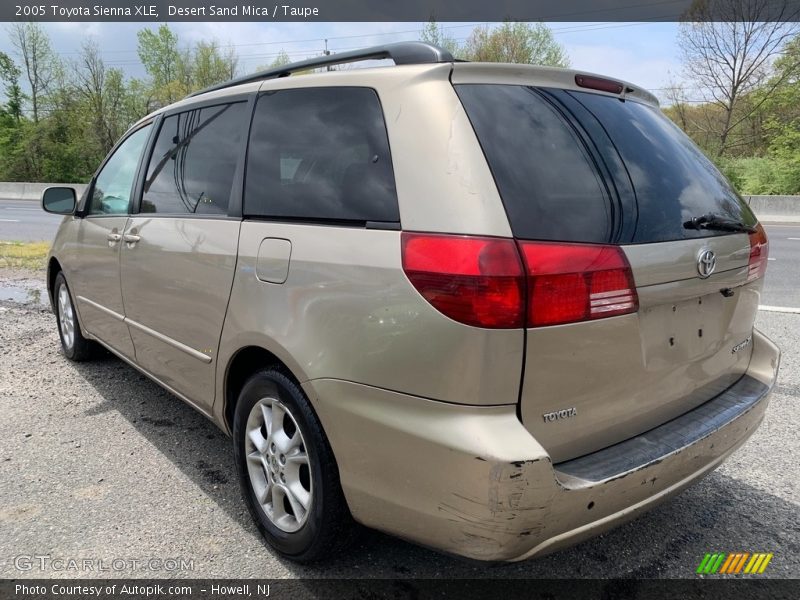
(472, 280)
(481, 281)
(759, 252)
(576, 282)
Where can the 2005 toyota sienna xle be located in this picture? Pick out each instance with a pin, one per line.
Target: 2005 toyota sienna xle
(492, 309)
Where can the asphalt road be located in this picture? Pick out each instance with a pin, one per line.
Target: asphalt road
(782, 285)
(25, 221)
(97, 462)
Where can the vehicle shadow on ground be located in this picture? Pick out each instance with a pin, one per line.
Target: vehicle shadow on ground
(718, 514)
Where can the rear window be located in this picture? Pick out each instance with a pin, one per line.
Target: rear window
(320, 154)
(544, 173)
(546, 166)
(672, 178)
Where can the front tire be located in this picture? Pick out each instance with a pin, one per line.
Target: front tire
(287, 471)
(75, 346)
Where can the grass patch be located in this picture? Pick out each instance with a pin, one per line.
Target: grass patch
(23, 255)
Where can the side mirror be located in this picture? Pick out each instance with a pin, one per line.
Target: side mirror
(59, 200)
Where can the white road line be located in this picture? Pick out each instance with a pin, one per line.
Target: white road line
(9, 220)
(780, 309)
(795, 239)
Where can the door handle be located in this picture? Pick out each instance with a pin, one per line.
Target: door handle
(131, 238)
(113, 238)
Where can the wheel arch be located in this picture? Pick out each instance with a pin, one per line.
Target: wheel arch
(53, 269)
(241, 365)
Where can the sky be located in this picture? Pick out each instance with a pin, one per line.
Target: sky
(645, 54)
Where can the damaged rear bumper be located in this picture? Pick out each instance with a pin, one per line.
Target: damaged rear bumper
(472, 481)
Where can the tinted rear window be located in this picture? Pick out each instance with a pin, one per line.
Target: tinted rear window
(320, 154)
(544, 148)
(672, 178)
(544, 173)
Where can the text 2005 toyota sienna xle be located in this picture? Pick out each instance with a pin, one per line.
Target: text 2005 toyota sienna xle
(492, 309)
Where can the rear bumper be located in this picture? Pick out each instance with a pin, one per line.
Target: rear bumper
(472, 481)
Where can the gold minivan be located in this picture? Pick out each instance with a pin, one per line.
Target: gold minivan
(491, 309)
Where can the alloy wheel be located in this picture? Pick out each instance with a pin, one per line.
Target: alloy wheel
(66, 317)
(278, 464)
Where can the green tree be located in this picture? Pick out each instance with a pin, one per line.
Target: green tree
(164, 62)
(40, 64)
(138, 100)
(9, 75)
(433, 33)
(281, 60)
(525, 43)
(91, 84)
(211, 65)
(782, 123)
(175, 72)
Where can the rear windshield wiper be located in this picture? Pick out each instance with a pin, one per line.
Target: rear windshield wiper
(717, 223)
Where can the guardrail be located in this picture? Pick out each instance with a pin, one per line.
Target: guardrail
(775, 208)
(32, 191)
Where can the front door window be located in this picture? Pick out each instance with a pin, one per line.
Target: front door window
(114, 184)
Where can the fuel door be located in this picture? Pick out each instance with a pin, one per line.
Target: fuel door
(272, 263)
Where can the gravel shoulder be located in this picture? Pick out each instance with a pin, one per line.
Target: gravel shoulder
(98, 462)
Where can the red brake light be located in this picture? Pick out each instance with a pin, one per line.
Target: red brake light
(481, 281)
(576, 282)
(473, 280)
(598, 83)
(759, 252)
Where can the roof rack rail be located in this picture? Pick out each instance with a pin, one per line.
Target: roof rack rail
(402, 53)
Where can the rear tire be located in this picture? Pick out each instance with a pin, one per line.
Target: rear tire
(75, 346)
(287, 471)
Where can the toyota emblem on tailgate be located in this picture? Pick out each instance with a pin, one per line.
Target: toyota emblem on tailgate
(706, 263)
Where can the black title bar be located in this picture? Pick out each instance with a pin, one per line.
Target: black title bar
(400, 589)
(384, 10)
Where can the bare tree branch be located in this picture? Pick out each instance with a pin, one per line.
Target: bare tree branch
(728, 47)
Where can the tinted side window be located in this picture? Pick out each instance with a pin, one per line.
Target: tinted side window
(194, 161)
(672, 178)
(113, 185)
(320, 153)
(549, 186)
